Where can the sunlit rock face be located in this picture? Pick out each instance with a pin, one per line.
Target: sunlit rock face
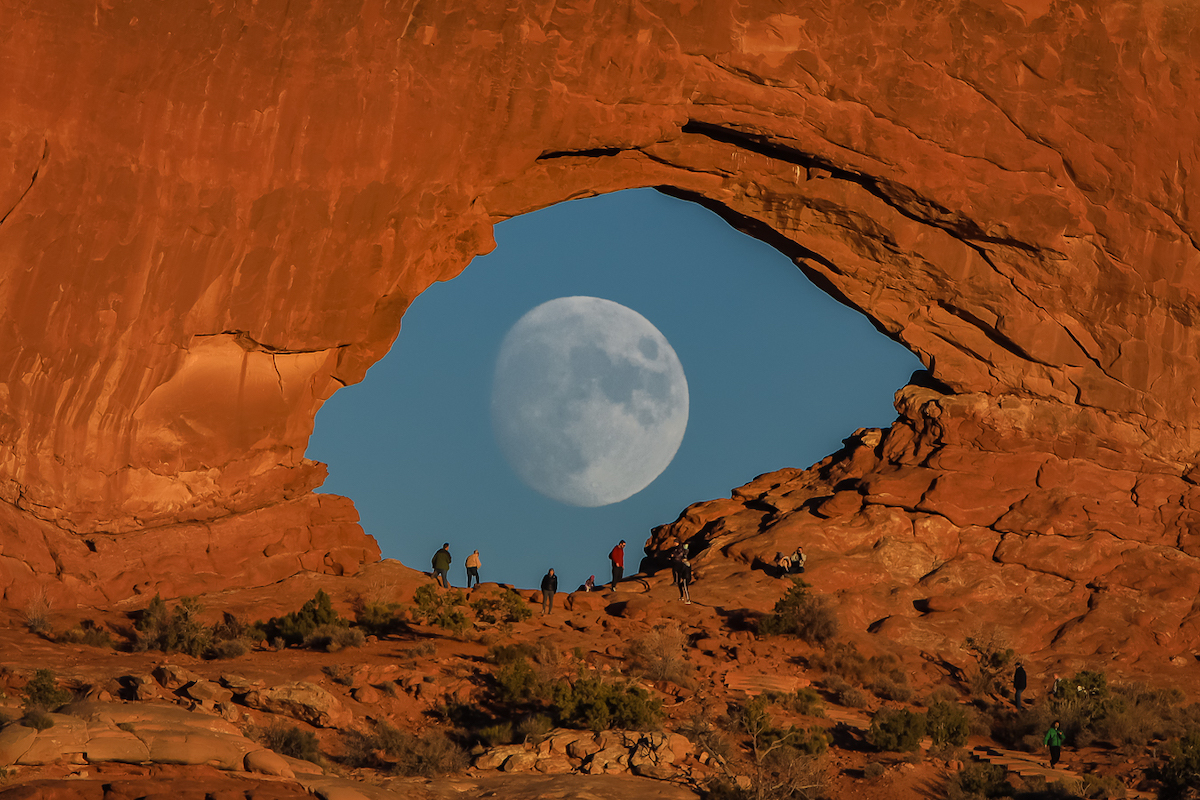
(212, 215)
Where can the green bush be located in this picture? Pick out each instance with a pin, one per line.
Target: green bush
(593, 703)
(494, 735)
(806, 701)
(801, 614)
(441, 608)
(295, 627)
(1138, 715)
(37, 719)
(290, 741)
(1081, 702)
(42, 692)
(534, 728)
(754, 719)
(896, 730)
(332, 638)
(177, 630)
(947, 724)
(87, 632)
(379, 619)
(1179, 772)
(503, 608)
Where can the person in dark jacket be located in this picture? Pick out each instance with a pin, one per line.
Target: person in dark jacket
(441, 566)
(549, 587)
(1019, 683)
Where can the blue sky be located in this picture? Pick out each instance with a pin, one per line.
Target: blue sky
(778, 374)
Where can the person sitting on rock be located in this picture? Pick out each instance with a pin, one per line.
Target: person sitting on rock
(783, 565)
(798, 558)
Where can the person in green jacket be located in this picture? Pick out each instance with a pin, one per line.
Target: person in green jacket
(441, 566)
(1054, 739)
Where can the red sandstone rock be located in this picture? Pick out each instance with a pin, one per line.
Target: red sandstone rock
(213, 217)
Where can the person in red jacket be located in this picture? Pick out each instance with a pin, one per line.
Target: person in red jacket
(617, 557)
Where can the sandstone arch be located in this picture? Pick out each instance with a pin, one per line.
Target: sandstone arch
(213, 215)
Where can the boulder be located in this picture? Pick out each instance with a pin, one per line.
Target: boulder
(303, 701)
(267, 762)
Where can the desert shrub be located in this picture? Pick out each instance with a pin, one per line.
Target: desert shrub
(1138, 715)
(873, 770)
(1101, 787)
(86, 632)
(441, 608)
(881, 674)
(979, 780)
(42, 692)
(1081, 702)
(423, 650)
(705, 735)
(228, 648)
(534, 728)
(177, 630)
(37, 615)
(1022, 730)
(844, 694)
(316, 613)
(993, 663)
(379, 619)
(788, 774)
(501, 608)
(947, 724)
(507, 653)
(231, 627)
(291, 741)
(493, 735)
(37, 718)
(591, 702)
(517, 681)
(801, 614)
(431, 754)
(332, 638)
(1179, 772)
(806, 701)
(754, 719)
(659, 655)
(896, 730)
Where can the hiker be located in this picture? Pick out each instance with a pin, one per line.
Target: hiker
(684, 575)
(1019, 683)
(590, 584)
(783, 564)
(678, 553)
(441, 566)
(1054, 739)
(617, 557)
(678, 559)
(473, 565)
(549, 587)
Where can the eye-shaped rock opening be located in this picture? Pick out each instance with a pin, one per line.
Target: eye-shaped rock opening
(778, 373)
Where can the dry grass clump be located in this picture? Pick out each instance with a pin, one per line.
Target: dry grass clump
(661, 656)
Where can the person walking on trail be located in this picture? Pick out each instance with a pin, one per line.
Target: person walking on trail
(617, 557)
(441, 566)
(473, 565)
(684, 574)
(1054, 740)
(1019, 684)
(549, 587)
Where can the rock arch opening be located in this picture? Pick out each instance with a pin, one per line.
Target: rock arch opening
(778, 372)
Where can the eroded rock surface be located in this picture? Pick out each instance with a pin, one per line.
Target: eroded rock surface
(212, 216)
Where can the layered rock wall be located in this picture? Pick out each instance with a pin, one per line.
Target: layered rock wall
(214, 214)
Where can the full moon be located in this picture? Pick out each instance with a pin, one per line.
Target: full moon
(589, 401)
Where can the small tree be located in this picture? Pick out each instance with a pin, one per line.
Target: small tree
(993, 659)
(801, 614)
(897, 730)
(1179, 773)
(947, 724)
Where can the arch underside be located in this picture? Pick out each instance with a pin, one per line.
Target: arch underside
(198, 248)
